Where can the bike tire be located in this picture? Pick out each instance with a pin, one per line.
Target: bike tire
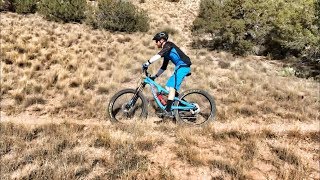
(110, 109)
(207, 96)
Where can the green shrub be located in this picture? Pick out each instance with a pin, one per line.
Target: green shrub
(1, 5)
(235, 25)
(7, 5)
(63, 10)
(280, 28)
(317, 5)
(118, 15)
(19, 6)
(294, 30)
(225, 22)
(91, 19)
(25, 6)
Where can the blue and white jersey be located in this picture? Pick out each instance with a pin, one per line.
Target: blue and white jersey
(171, 52)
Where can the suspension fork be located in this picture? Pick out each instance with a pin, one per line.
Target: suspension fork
(134, 99)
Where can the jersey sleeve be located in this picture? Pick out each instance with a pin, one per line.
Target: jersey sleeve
(165, 64)
(166, 49)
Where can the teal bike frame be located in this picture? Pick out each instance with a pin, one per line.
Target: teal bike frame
(156, 88)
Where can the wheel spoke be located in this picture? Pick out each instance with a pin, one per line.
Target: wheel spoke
(204, 115)
(116, 111)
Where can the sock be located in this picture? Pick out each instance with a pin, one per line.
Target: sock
(169, 104)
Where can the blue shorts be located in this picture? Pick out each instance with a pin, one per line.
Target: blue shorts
(176, 79)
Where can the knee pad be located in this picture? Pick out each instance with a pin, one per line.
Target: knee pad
(171, 93)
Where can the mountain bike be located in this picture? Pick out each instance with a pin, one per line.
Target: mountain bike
(192, 107)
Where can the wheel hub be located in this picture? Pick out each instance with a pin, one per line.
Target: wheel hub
(196, 110)
(126, 108)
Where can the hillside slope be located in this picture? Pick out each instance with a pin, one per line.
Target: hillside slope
(56, 80)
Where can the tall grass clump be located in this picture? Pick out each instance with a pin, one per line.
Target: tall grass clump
(63, 10)
(119, 16)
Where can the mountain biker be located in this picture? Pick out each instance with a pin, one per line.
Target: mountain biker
(170, 52)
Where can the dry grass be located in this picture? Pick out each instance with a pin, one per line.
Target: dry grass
(190, 154)
(233, 171)
(166, 174)
(266, 125)
(50, 148)
(286, 155)
(141, 150)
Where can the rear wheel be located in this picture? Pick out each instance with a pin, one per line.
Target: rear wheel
(204, 111)
(126, 106)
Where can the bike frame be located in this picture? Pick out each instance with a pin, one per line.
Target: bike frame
(155, 87)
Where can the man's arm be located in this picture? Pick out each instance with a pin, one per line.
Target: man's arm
(153, 59)
(164, 50)
(163, 67)
(159, 72)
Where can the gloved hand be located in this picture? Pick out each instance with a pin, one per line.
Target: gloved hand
(153, 77)
(145, 66)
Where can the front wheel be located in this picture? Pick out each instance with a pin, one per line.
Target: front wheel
(126, 105)
(204, 111)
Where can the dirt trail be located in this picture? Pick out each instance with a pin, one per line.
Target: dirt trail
(278, 127)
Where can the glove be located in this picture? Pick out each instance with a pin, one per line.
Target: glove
(145, 66)
(153, 77)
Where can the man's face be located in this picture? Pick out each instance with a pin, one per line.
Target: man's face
(158, 43)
